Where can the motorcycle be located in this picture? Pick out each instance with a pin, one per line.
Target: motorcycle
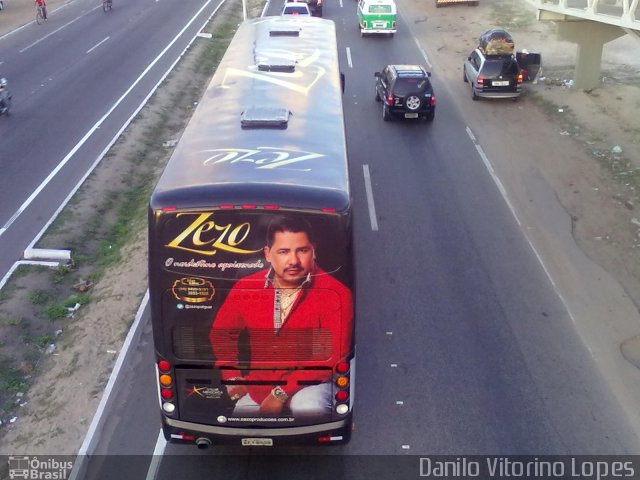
(5, 103)
(5, 98)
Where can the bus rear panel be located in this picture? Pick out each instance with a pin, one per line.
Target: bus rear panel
(250, 250)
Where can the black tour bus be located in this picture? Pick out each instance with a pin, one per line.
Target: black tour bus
(250, 250)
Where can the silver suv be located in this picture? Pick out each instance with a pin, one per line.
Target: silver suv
(493, 76)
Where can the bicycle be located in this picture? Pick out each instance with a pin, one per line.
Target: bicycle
(106, 5)
(40, 14)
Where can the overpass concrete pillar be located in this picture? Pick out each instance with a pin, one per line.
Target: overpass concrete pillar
(590, 37)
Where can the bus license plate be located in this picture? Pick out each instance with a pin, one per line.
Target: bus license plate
(500, 83)
(257, 442)
(410, 115)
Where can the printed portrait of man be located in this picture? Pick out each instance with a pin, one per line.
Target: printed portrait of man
(294, 314)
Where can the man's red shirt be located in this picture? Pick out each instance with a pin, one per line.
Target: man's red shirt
(317, 332)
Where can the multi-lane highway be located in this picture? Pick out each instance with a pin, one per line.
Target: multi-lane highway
(464, 346)
(75, 84)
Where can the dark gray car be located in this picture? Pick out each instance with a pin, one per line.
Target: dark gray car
(492, 76)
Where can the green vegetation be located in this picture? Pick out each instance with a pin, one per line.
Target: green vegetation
(43, 341)
(40, 297)
(11, 379)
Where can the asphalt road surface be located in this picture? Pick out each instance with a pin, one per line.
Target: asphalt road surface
(76, 81)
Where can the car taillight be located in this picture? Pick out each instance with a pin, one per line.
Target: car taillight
(480, 80)
(394, 24)
(390, 99)
(432, 102)
(520, 77)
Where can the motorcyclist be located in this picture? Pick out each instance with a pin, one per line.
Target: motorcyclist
(5, 96)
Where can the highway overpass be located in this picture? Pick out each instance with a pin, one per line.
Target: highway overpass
(591, 24)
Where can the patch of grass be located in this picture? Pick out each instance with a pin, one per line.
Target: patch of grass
(56, 312)
(40, 297)
(10, 321)
(82, 299)
(61, 273)
(60, 310)
(11, 379)
(43, 341)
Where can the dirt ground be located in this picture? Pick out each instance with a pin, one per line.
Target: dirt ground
(560, 149)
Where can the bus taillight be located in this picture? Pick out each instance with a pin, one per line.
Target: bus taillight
(166, 387)
(342, 395)
(164, 366)
(342, 382)
(167, 393)
(342, 368)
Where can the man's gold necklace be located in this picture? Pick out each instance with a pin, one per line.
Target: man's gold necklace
(287, 298)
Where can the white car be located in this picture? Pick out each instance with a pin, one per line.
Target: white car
(296, 8)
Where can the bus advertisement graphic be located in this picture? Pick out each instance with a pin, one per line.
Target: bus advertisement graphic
(264, 305)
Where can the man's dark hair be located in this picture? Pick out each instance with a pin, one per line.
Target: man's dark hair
(288, 224)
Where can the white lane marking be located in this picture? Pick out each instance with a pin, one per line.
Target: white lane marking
(98, 44)
(503, 191)
(97, 125)
(415, 40)
(370, 203)
(424, 54)
(349, 57)
(158, 452)
(57, 29)
(492, 172)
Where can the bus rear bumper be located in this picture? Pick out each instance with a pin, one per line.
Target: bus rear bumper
(334, 433)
